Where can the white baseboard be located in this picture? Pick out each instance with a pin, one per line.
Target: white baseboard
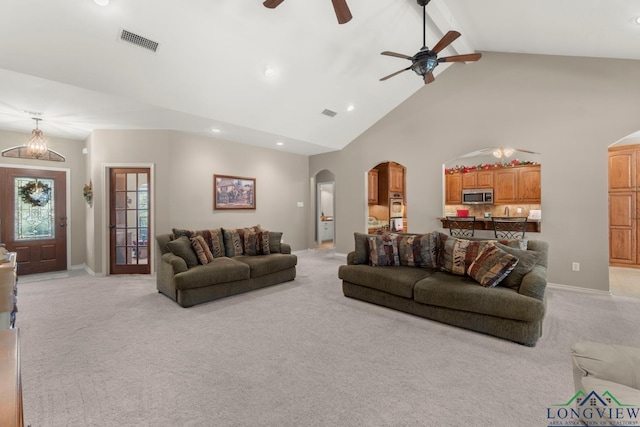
(577, 289)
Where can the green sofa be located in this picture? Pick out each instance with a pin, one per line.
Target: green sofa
(190, 282)
(514, 310)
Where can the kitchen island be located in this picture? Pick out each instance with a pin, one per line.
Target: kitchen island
(533, 225)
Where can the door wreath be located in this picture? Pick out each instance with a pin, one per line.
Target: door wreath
(35, 193)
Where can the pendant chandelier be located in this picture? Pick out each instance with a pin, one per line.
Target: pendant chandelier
(37, 146)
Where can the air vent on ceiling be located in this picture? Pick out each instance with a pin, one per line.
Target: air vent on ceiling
(329, 113)
(138, 40)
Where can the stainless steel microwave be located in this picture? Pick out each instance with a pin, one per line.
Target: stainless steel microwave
(480, 196)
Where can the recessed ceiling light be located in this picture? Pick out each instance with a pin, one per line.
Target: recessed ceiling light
(101, 2)
(350, 108)
(280, 143)
(269, 71)
(216, 130)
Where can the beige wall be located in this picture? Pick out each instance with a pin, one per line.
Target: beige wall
(184, 166)
(568, 109)
(75, 164)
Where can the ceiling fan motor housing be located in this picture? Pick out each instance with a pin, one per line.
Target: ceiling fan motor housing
(424, 62)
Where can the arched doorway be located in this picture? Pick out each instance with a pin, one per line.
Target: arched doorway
(325, 209)
(386, 198)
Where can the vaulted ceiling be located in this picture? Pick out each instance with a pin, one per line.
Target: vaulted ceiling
(64, 61)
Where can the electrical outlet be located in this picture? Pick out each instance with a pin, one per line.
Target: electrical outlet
(575, 266)
(519, 210)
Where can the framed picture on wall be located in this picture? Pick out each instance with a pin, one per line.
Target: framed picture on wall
(234, 192)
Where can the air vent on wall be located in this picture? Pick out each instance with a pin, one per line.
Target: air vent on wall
(329, 113)
(138, 40)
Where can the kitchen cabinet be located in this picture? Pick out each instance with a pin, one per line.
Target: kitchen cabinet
(453, 189)
(326, 231)
(477, 179)
(517, 185)
(624, 206)
(372, 186)
(396, 178)
(470, 180)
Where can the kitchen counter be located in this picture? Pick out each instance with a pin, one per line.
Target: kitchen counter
(533, 225)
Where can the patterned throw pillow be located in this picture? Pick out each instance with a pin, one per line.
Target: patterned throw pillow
(456, 255)
(256, 243)
(233, 241)
(201, 249)
(383, 250)
(417, 250)
(214, 240)
(491, 266)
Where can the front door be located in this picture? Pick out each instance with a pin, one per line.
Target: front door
(34, 218)
(129, 190)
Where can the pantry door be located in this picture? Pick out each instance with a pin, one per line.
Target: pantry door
(129, 190)
(34, 222)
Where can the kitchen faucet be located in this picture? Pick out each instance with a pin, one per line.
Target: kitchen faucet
(506, 211)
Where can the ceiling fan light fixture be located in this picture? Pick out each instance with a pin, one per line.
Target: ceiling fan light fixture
(37, 146)
(503, 152)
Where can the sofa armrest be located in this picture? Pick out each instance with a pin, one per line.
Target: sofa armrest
(534, 283)
(178, 264)
(616, 363)
(351, 257)
(285, 248)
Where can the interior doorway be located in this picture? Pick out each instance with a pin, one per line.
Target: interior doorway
(129, 221)
(325, 209)
(34, 218)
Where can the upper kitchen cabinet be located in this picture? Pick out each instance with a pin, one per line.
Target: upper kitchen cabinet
(517, 185)
(372, 186)
(453, 189)
(477, 179)
(396, 178)
(529, 180)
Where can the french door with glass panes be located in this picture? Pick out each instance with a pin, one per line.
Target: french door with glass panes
(34, 218)
(129, 226)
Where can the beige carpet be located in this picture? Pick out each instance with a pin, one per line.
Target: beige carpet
(113, 352)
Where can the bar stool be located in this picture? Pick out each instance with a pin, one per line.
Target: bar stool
(509, 227)
(461, 226)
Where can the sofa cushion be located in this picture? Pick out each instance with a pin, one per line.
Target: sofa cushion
(233, 241)
(417, 250)
(463, 293)
(214, 240)
(275, 237)
(383, 250)
(201, 248)
(456, 255)
(491, 266)
(220, 270)
(261, 265)
(179, 232)
(393, 280)
(617, 363)
(256, 242)
(526, 261)
(361, 249)
(182, 247)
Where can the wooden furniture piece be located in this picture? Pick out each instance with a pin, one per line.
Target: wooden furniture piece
(461, 226)
(509, 227)
(8, 291)
(11, 412)
(372, 187)
(517, 184)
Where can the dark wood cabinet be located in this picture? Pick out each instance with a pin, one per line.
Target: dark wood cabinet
(396, 178)
(517, 185)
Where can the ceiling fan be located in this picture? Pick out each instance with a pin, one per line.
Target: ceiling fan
(427, 59)
(340, 6)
